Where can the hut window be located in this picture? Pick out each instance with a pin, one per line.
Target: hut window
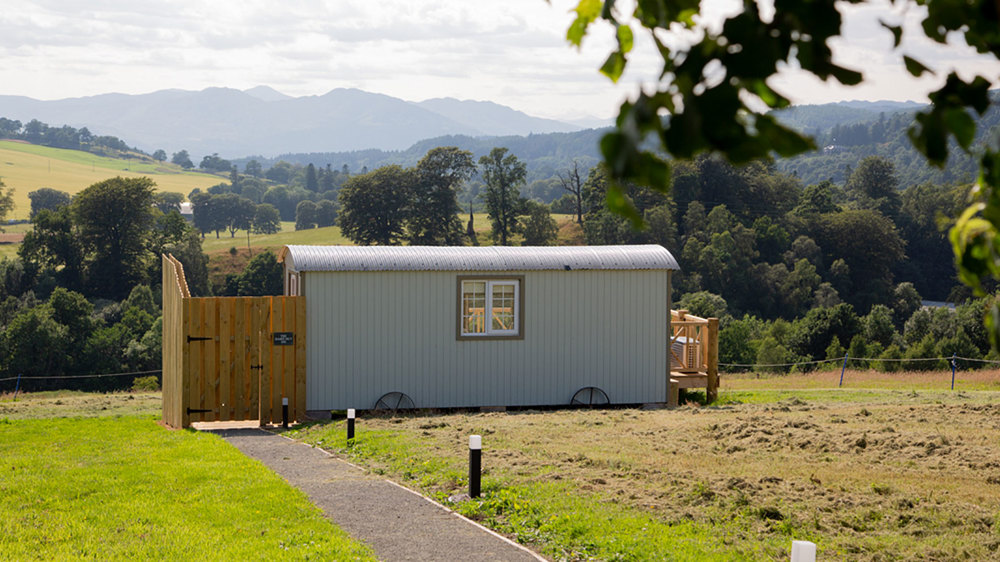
(490, 307)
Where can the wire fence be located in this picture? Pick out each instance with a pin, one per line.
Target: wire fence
(858, 359)
(53, 377)
(93, 382)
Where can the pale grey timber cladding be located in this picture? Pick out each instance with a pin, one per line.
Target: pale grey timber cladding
(376, 332)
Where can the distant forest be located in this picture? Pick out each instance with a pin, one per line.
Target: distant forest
(36, 132)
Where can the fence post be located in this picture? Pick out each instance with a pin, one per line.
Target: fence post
(844, 368)
(953, 355)
(17, 386)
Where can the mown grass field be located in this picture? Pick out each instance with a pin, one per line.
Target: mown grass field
(82, 482)
(867, 473)
(27, 167)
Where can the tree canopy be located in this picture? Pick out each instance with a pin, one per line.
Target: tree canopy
(118, 238)
(712, 86)
(503, 174)
(374, 206)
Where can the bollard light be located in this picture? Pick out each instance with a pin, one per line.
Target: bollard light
(284, 413)
(803, 551)
(350, 426)
(475, 464)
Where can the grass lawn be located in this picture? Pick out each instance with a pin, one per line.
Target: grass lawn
(867, 474)
(123, 487)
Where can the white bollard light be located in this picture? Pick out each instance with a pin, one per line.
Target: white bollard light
(475, 464)
(803, 551)
(350, 425)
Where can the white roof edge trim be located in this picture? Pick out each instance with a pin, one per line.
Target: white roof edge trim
(478, 258)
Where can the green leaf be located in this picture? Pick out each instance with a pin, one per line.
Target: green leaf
(618, 203)
(614, 66)
(845, 76)
(586, 12)
(915, 67)
(625, 38)
(897, 33)
(960, 123)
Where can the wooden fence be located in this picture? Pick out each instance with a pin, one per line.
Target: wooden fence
(230, 358)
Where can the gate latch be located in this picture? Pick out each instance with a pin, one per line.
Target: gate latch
(197, 411)
(199, 338)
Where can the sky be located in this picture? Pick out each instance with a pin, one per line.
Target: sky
(512, 52)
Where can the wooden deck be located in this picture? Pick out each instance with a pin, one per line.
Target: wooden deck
(694, 355)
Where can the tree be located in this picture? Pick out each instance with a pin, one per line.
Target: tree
(503, 174)
(281, 172)
(34, 344)
(326, 213)
(9, 128)
(47, 198)
(874, 185)
(266, 219)
(540, 228)
(703, 304)
(312, 182)
(215, 164)
(870, 246)
(238, 212)
(167, 201)
(73, 311)
(262, 276)
(54, 244)
(374, 206)
(305, 215)
(433, 218)
(159, 155)
(118, 238)
(253, 168)
(209, 215)
(6, 203)
(571, 181)
(182, 159)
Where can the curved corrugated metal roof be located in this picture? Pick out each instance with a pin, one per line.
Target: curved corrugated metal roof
(479, 258)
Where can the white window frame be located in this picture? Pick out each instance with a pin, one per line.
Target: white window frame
(490, 332)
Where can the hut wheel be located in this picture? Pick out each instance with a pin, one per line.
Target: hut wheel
(590, 396)
(392, 401)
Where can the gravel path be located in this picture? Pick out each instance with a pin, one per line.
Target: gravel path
(399, 524)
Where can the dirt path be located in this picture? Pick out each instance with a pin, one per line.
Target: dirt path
(398, 524)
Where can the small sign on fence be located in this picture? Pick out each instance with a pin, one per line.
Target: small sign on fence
(284, 338)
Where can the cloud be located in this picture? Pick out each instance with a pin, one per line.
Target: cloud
(509, 51)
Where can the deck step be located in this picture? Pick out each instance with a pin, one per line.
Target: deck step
(690, 380)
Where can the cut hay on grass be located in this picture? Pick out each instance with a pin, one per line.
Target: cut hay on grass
(866, 474)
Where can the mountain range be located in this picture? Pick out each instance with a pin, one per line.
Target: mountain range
(261, 120)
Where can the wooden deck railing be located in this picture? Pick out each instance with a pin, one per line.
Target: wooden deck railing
(694, 349)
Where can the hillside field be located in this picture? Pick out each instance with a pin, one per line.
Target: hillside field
(27, 167)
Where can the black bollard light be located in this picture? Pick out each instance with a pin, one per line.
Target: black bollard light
(475, 464)
(284, 413)
(350, 426)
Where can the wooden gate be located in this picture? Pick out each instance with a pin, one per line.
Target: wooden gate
(230, 358)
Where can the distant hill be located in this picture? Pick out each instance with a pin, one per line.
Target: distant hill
(544, 154)
(847, 132)
(261, 120)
